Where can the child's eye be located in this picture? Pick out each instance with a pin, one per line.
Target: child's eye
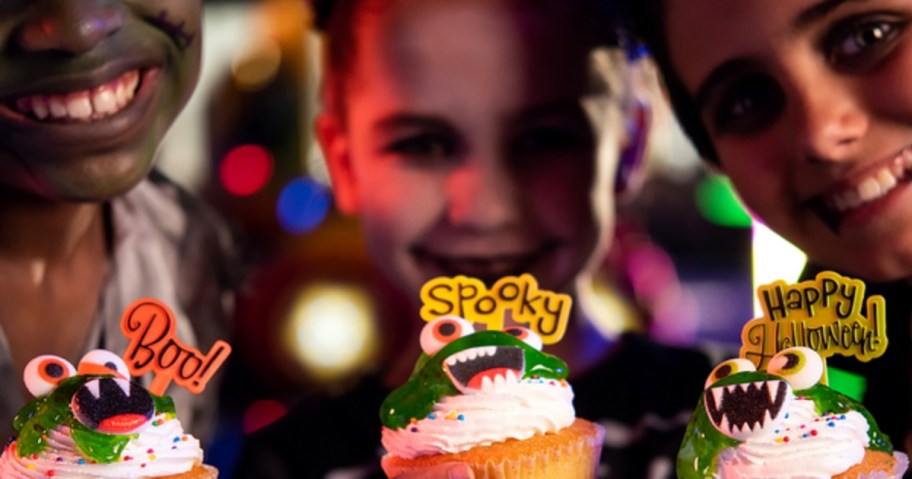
(856, 45)
(424, 147)
(748, 105)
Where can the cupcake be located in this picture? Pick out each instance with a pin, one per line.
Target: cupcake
(783, 423)
(95, 423)
(489, 399)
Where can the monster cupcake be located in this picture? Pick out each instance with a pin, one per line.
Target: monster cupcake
(492, 400)
(782, 423)
(93, 422)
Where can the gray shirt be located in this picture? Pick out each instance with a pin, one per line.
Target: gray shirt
(166, 246)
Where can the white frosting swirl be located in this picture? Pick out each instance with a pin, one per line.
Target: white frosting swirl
(806, 445)
(512, 411)
(160, 449)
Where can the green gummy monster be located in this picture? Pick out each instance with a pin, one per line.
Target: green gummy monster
(429, 381)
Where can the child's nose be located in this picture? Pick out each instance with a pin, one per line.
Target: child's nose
(833, 121)
(73, 26)
(483, 196)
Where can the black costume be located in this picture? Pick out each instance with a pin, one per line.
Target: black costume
(643, 394)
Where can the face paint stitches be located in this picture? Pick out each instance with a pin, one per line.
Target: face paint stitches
(176, 30)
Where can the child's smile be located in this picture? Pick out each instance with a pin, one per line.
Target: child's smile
(847, 202)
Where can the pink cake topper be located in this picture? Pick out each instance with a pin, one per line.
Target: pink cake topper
(151, 328)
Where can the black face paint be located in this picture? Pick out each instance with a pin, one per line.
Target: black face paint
(175, 30)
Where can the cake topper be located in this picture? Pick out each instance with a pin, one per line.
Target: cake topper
(823, 314)
(151, 327)
(515, 297)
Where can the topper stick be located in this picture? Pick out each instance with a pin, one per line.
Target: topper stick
(160, 383)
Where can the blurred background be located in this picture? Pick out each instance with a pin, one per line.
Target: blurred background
(315, 316)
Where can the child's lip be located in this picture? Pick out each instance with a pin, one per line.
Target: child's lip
(861, 188)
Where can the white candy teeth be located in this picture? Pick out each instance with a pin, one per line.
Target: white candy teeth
(486, 384)
(124, 386)
(511, 376)
(451, 360)
(773, 389)
(93, 387)
(717, 395)
(471, 353)
(499, 381)
(492, 350)
(461, 357)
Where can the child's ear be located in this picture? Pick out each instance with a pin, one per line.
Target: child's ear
(630, 161)
(335, 147)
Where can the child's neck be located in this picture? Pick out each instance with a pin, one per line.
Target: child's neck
(47, 231)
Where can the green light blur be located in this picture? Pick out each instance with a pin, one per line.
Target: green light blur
(718, 203)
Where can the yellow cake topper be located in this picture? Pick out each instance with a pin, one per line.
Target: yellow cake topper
(516, 297)
(824, 314)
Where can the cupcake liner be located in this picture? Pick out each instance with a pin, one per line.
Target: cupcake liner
(200, 471)
(902, 463)
(577, 458)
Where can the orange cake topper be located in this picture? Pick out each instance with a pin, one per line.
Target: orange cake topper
(516, 297)
(824, 314)
(151, 328)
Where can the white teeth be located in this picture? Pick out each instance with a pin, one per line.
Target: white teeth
(731, 389)
(499, 381)
(471, 353)
(492, 350)
(451, 360)
(57, 107)
(94, 104)
(511, 377)
(79, 106)
(874, 186)
(93, 387)
(486, 384)
(124, 386)
(772, 389)
(461, 357)
(717, 395)
(104, 101)
(40, 107)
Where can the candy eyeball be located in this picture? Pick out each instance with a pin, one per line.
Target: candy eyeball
(800, 366)
(44, 373)
(442, 331)
(101, 362)
(526, 335)
(727, 368)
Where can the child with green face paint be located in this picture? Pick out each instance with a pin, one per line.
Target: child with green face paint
(805, 105)
(87, 90)
(459, 132)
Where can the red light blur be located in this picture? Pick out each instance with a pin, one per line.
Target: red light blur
(246, 169)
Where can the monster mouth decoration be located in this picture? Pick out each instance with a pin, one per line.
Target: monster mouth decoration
(112, 406)
(742, 410)
(486, 367)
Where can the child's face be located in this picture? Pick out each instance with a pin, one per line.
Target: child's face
(466, 149)
(809, 106)
(87, 90)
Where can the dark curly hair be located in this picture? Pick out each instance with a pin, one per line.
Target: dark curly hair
(647, 20)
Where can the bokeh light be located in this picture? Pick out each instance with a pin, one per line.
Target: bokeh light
(718, 203)
(774, 259)
(246, 169)
(263, 413)
(332, 329)
(303, 205)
